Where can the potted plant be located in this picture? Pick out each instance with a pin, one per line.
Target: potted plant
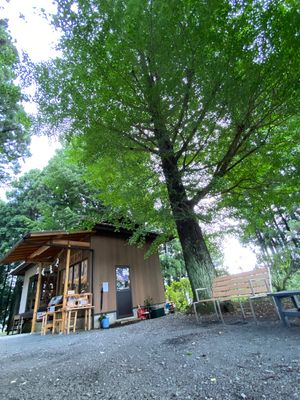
(154, 310)
(148, 302)
(104, 321)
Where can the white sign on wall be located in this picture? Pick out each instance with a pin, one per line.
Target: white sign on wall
(105, 287)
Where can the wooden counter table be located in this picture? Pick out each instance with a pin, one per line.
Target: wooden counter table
(65, 318)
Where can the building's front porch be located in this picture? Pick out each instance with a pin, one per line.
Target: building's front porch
(118, 276)
(48, 258)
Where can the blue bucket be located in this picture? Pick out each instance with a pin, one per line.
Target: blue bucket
(105, 323)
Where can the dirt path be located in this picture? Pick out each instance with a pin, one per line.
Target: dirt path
(165, 358)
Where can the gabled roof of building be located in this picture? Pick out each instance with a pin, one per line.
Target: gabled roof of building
(21, 268)
(44, 246)
(110, 230)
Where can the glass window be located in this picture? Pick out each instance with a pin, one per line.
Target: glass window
(122, 276)
(62, 275)
(84, 286)
(76, 275)
(31, 293)
(70, 280)
(48, 286)
(78, 278)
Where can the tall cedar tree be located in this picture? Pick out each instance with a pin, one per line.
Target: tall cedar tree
(14, 124)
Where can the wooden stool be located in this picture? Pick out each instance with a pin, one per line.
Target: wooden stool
(58, 321)
(46, 324)
(87, 318)
(17, 324)
(72, 314)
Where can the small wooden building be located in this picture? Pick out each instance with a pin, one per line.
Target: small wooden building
(99, 261)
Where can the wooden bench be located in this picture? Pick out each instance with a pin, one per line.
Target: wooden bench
(251, 285)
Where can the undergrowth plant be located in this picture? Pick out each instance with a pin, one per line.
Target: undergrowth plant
(180, 293)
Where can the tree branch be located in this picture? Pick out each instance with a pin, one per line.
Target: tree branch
(197, 123)
(129, 136)
(233, 186)
(223, 166)
(185, 103)
(6, 130)
(186, 165)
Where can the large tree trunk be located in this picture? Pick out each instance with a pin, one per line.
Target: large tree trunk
(197, 259)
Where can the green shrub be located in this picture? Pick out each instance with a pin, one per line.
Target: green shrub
(294, 282)
(180, 293)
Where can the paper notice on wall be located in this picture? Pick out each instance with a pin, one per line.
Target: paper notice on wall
(105, 286)
(39, 315)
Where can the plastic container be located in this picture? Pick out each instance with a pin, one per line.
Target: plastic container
(105, 323)
(158, 312)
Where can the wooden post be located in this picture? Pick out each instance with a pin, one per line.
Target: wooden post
(65, 295)
(37, 299)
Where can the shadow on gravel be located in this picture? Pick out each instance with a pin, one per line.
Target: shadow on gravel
(181, 339)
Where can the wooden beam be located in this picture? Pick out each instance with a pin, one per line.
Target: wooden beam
(37, 298)
(71, 243)
(65, 295)
(38, 252)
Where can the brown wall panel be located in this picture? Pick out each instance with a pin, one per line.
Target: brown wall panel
(146, 279)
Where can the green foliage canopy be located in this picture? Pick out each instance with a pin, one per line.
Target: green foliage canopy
(222, 73)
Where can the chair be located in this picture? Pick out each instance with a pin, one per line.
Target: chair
(71, 320)
(245, 286)
(47, 322)
(52, 319)
(17, 324)
(58, 321)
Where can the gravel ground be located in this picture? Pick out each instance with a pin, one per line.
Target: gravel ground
(165, 358)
